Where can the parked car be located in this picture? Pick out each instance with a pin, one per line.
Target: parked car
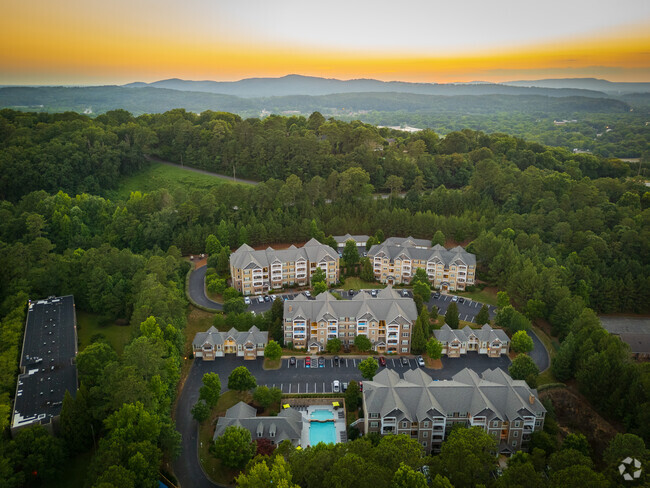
(292, 361)
(336, 360)
(350, 292)
(382, 361)
(405, 361)
(321, 362)
(273, 297)
(373, 293)
(307, 293)
(344, 386)
(360, 385)
(405, 293)
(260, 299)
(285, 298)
(267, 298)
(436, 294)
(421, 361)
(247, 300)
(336, 386)
(454, 298)
(307, 362)
(461, 300)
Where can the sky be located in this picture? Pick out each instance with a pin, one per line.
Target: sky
(91, 42)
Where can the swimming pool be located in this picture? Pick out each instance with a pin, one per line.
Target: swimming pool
(322, 414)
(322, 432)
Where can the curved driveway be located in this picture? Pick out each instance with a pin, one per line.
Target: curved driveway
(539, 354)
(197, 289)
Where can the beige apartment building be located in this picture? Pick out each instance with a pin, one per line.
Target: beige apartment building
(387, 320)
(256, 272)
(426, 410)
(396, 259)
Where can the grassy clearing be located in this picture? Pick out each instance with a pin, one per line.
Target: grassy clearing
(89, 325)
(355, 283)
(272, 363)
(159, 175)
(486, 295)
(211, 465)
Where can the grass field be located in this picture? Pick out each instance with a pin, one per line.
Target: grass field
(211, 465)
(159, 175)
(88, 325)
(487, 295)
(354, 283)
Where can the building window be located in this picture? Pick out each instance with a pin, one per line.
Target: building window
(514, 443)
(405, 334)
(405, 425)
(424, 443)
(495, 423)
(425, 423)
(405, 349)
(374, 424)
(516, 423)
(405, 326)
(425, 434)
(374, 415)
(515, 434)
(538, 423)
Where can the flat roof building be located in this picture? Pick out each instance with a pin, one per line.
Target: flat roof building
(47, 362)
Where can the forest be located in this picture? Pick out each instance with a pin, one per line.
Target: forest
(565, 235)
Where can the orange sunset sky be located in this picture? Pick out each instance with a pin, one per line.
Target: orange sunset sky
(119, 41)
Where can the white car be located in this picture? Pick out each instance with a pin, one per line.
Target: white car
(247, 300)
(336, 386)
(260, 300)
(273, 297)
(307, 293)
(454, 298)
(421, 361)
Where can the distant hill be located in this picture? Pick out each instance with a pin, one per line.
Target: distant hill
(155, 100)
(609, 87)
(314, 86)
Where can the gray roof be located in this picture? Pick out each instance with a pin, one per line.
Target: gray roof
(388, 305)
(417, 397)
(286, 425)
(436, 254)
(639, 343)
(347, 237)
(626, 325)
(485, 334)
(407, 242)
(213, 336)
(248, 258)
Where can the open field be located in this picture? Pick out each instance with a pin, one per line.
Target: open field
(354, 283)
(487, 295)
(89, 325)
(159, 175)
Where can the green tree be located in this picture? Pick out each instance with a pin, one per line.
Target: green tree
(522, 366)
(200, 411)
(334, 346)
(367, 273)
(273, 351)
(503, 299)
(368, 368)
(520, 475)
(467, 457)
(234, 447)
(441, 482)
(451, 316)
(38, 455)
(362, 343)
(319, 287)
(421, 275)
(212, 245)
(422, 290)
(352, 396)
(434, 348)
(577, 442)
(223, 261)
(483, 316)
(260, 476)
(235, 306)
(350, 254)
(407, 477)
(563, 363)
(75, 424)
(93, 360)
(578, 477)
(521, 342)
(210, 391)
(241, 379)
(438, 239)
(265, 396)
(566, 457)
(318, 275)
(418, 338)
(622, 446)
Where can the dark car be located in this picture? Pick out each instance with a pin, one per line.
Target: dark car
(382, 361)
(373, 293)
(321, 362)
(292, 361)
(461, 300)
(360, 385)
(436, 294)
(405, 361)
(344, 386)
(336, 360)
(350, 292)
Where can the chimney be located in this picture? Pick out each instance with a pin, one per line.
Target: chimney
(531, 399)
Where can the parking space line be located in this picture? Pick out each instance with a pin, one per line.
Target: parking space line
(289, 387)
(473, 318)
(476, 304)
(306, 387)
(315, 389)
(393, 363)
(346, 362)
(323, 387)
(466, 317)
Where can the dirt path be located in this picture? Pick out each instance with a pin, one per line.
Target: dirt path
(201, 171)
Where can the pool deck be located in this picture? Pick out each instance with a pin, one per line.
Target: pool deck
(339, 423)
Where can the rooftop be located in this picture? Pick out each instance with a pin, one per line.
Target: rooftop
(47, 361)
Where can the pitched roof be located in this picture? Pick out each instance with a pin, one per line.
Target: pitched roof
(213, 336)
(247, 258)
(410, 249)
(347, 237)
(485, 334)
(286, 425)
(407, 242)
(388, 306)
(493, 394)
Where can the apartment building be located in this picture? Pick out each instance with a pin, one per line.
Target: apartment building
(387, 320)
(396, 259)
(426, 410)
(359, 240)
(212, 344)
(256, 272)
(486, 340)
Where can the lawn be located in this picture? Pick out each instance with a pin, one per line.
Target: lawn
(354, 283)
(486, 295)
(88, 325)
(211, 465)
(158, 175)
